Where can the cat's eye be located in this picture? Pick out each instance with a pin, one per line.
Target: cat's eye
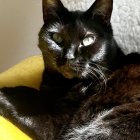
(89, 40)
(57, 37)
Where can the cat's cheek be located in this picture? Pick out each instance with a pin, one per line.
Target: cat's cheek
(53, 46)
(49, 64)
(51, 52)
(100, 54)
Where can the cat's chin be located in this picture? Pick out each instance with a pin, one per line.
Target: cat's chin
(68, 73)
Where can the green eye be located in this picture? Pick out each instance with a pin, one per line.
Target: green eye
(89, 40)
(57, 38)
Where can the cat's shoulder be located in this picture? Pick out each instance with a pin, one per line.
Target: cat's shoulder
(132, 58)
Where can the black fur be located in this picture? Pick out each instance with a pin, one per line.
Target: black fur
(79, 82)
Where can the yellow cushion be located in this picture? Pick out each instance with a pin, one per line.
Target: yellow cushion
(26, 73)
(10, 132)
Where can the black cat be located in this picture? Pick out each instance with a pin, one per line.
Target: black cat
(90, 90)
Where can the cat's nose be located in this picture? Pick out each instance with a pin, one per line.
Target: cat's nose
(70, 55)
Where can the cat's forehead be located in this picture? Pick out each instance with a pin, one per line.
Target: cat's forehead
(75, 27)
(73, 20)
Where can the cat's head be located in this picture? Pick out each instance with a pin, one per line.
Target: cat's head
(76, 43)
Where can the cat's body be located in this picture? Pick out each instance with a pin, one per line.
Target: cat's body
(115, 114)
(112, 114)
(90, 89)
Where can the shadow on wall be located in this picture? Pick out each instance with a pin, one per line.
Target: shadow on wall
(20, 21)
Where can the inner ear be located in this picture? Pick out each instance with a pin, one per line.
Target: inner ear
(52, 9)
(102, 9)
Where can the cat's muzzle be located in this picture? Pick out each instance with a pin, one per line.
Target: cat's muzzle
(70, 70)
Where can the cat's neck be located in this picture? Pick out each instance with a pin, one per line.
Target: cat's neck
(118, 59)
(53, 79)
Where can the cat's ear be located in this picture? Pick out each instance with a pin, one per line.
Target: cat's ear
(102, 9)
(52, 9)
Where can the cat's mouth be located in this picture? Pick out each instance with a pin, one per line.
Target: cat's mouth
(70, 71)
(67, 72)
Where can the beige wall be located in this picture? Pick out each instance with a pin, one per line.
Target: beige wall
(20, 21)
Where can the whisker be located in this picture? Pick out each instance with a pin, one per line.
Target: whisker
(101, 75)
(99, 80)
(99, 66)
